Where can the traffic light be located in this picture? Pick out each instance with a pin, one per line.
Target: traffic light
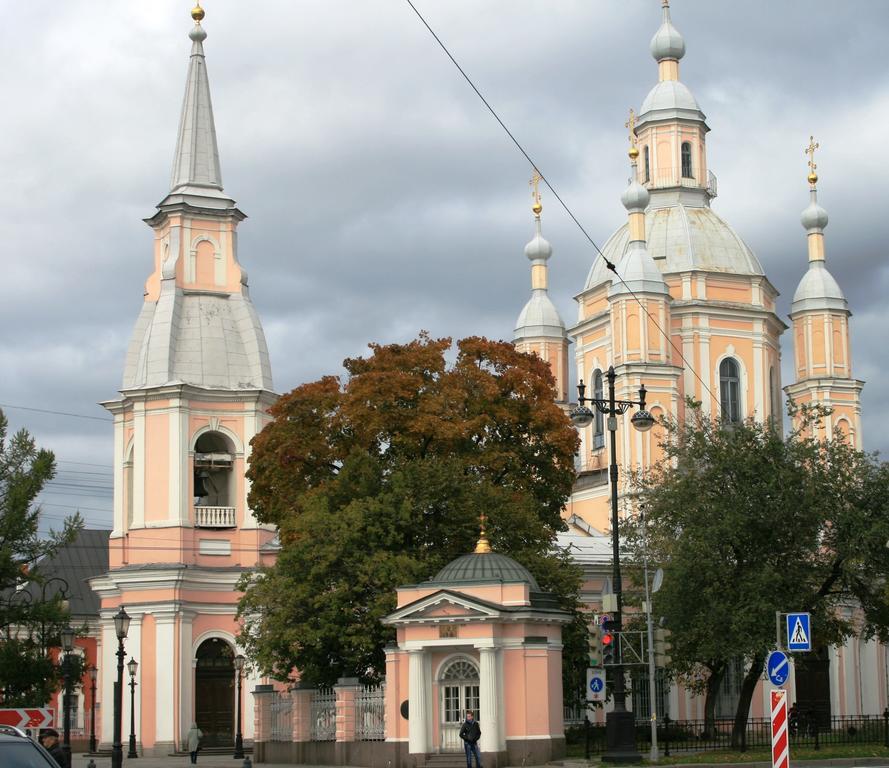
(662, 647)
(595, 649)
(609, 644)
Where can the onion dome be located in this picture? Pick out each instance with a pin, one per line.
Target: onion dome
(667, 43)
(484, 567)
(538, 249)
(635, 197)
(814, 217)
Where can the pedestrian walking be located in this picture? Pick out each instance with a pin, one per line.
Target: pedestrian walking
(49, 740)
(193, 740)
(470, 732)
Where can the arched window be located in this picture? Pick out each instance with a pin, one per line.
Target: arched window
(647, 164)
(214, 481)
(730, 390)
(598, 429)
(686, 160)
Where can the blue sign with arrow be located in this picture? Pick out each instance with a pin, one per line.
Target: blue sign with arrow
(799, 632)
(778, 667)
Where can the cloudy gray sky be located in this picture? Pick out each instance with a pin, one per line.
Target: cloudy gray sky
(382, 196)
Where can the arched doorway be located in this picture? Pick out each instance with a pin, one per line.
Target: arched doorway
(459, 692)
(214, 698)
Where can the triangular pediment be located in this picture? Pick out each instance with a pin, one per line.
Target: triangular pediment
(444, 606)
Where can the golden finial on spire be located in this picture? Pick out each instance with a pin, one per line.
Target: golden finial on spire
(631, 126)
(810, 151)
(537, 208)
(483, 546)
(197, 13)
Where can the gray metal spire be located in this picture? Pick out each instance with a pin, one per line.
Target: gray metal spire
(196, 163)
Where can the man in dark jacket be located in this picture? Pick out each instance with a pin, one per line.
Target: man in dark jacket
(49, 739)
(471, 733)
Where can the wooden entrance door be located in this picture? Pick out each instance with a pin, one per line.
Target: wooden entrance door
(215, 693)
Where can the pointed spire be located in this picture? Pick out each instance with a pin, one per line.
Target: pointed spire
(196, 162)
(539, 318)
(818, 289)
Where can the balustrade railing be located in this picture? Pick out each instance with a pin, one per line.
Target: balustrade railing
(214, 517)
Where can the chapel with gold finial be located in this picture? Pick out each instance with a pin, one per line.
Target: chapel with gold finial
(820, 316)
(539, 328)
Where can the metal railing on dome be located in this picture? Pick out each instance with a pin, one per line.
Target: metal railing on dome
(370, 714)
(323, 713)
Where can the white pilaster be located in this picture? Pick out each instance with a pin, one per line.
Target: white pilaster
(419, 702)
(138, 470)
(119, 484)
(185, 675)
(490, 700)
(165, 650)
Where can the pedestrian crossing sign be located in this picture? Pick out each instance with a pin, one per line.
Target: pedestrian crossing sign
(799, 632)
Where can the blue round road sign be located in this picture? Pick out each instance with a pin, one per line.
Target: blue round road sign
(778, 667)
(596, 684)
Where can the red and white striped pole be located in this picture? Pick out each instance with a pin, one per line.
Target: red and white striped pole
(780, 745)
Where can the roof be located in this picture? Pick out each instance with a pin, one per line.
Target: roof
(75, 563)
(539, 318)
(818, 290)
(682, 238)
(483, 567)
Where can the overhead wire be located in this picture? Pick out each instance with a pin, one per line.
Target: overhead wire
(608, 263)
(56, 413)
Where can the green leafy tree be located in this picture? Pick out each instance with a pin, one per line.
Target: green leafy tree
(380, 480)
(747, 522)
(30, 615)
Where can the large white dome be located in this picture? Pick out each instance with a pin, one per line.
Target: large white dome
(682, 238)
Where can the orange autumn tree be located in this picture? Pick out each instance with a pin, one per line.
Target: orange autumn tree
(379, 479)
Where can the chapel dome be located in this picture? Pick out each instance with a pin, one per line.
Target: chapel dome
(667, 43)
(681, 238)
(487, 566)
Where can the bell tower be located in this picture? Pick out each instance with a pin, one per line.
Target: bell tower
(196, 388)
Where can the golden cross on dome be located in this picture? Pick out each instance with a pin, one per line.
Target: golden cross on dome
(537, 207)
(810, 151)
(631, 126)
(482, 546)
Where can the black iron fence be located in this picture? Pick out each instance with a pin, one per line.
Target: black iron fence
(693, 736)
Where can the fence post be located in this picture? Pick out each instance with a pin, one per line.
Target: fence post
(666, 735)
(586, 734)
(886, 726)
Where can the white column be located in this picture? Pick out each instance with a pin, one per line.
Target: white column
(418, 703)
(165, 650)
(185, 675)
(251, 680)
(133, 646)
(107, 676)
(490, 700)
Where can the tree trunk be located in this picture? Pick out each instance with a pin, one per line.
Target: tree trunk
(739, 729)
(717, 673)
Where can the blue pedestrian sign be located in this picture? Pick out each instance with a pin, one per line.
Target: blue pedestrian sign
(778, 667)
(799, 634)
(595, 684)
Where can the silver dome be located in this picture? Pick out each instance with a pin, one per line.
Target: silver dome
(639, 272)
(539, 248)
(635, 197)
(818, 290)
(667, 43)
(539, 318)
(814, 216)
(682, 238)
(669, 94)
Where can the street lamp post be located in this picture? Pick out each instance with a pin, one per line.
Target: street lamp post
(93, 673)
(67, 635)
(239, 739)
(121, 627)
(620, 727)
(132, 666)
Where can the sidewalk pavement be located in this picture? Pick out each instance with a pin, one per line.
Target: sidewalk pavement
(170, 761)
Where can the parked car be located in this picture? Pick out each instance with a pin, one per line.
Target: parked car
(18, 751)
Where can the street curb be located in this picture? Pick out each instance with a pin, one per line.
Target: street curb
(864, 762)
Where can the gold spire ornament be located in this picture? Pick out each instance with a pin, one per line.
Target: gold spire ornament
(483, 546)
(197, 13)
(810, 151)
(536, 208)
(630, 125)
